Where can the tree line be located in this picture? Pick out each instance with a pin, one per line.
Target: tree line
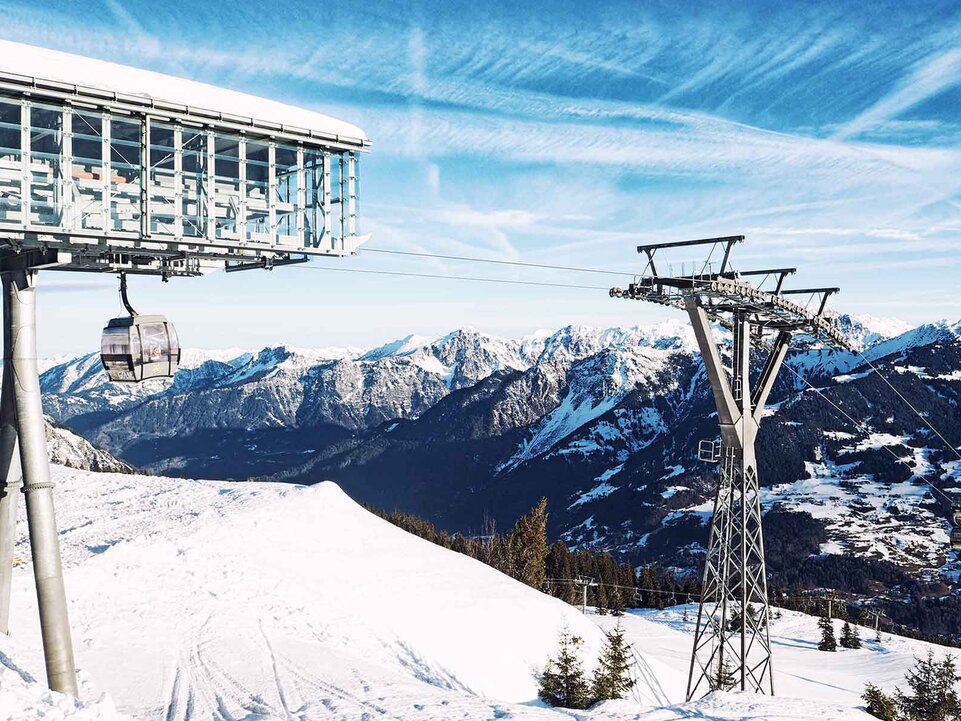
(523, 553)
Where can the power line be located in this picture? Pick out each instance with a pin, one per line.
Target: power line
(522, 264)
(440, 276)
(694, 594)
(865, 428)
(916, 411)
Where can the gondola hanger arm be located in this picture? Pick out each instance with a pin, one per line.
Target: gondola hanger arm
(123, 295)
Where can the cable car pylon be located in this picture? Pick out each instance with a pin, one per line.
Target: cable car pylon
(731, 638)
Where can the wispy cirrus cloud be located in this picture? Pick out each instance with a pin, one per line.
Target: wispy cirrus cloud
(570, 134)
(933, 75)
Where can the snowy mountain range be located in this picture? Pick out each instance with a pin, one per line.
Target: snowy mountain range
(603, 422)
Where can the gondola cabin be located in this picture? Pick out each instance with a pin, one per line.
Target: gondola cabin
(137, 348)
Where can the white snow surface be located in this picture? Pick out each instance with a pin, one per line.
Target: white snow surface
(199, 600)
(37, 62)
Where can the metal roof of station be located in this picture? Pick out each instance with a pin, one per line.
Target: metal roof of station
(55, 74)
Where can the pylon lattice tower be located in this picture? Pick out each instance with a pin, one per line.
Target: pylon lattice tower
(732, 645)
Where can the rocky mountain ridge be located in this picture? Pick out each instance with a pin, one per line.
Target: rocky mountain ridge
(604, 422)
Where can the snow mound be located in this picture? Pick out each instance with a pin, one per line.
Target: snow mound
(274, 594)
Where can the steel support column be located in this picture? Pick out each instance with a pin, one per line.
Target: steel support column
(20, 325)
(732, 646)
(11, 479)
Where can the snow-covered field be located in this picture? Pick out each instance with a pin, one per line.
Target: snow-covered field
(215, 600)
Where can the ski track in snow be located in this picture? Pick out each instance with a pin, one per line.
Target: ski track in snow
(199, 600)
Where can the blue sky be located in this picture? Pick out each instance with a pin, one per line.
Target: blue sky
(565, 133)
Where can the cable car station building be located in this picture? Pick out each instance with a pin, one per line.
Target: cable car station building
(127, 178)
(110, 169)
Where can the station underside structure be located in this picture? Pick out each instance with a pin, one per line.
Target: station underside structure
(732, 646)
(111, 169)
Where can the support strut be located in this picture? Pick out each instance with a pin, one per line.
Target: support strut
(11, 479)
(20, 352)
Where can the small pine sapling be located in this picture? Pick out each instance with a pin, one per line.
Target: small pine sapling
(722, 678)
(879, 704)
(932, 696)
(562, 682)
(850, 638)
(828, 642)
(612, 679)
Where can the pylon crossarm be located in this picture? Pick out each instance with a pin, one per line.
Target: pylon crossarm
(729, 291)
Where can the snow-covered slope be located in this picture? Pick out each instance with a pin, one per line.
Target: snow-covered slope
(199, 600)
(227, 598)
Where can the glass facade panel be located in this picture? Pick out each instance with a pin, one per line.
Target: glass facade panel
(46, 168)
(11, 165)
(336, 200)
(194, 189)
(258, 188)
(313, 197)
(162, 185)
(200, 183)
(285, 198)
(86, 169)
(125, 175)
(227, 190)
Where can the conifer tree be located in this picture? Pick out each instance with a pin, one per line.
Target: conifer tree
(612, 679)
(879, 704)
(735, 621)
(850, 638)
(828, 642)
(530, 546)
(722, 679)
(616, 602)
(932, 696)
(650, 587)
(562, 683)
(601, 600)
